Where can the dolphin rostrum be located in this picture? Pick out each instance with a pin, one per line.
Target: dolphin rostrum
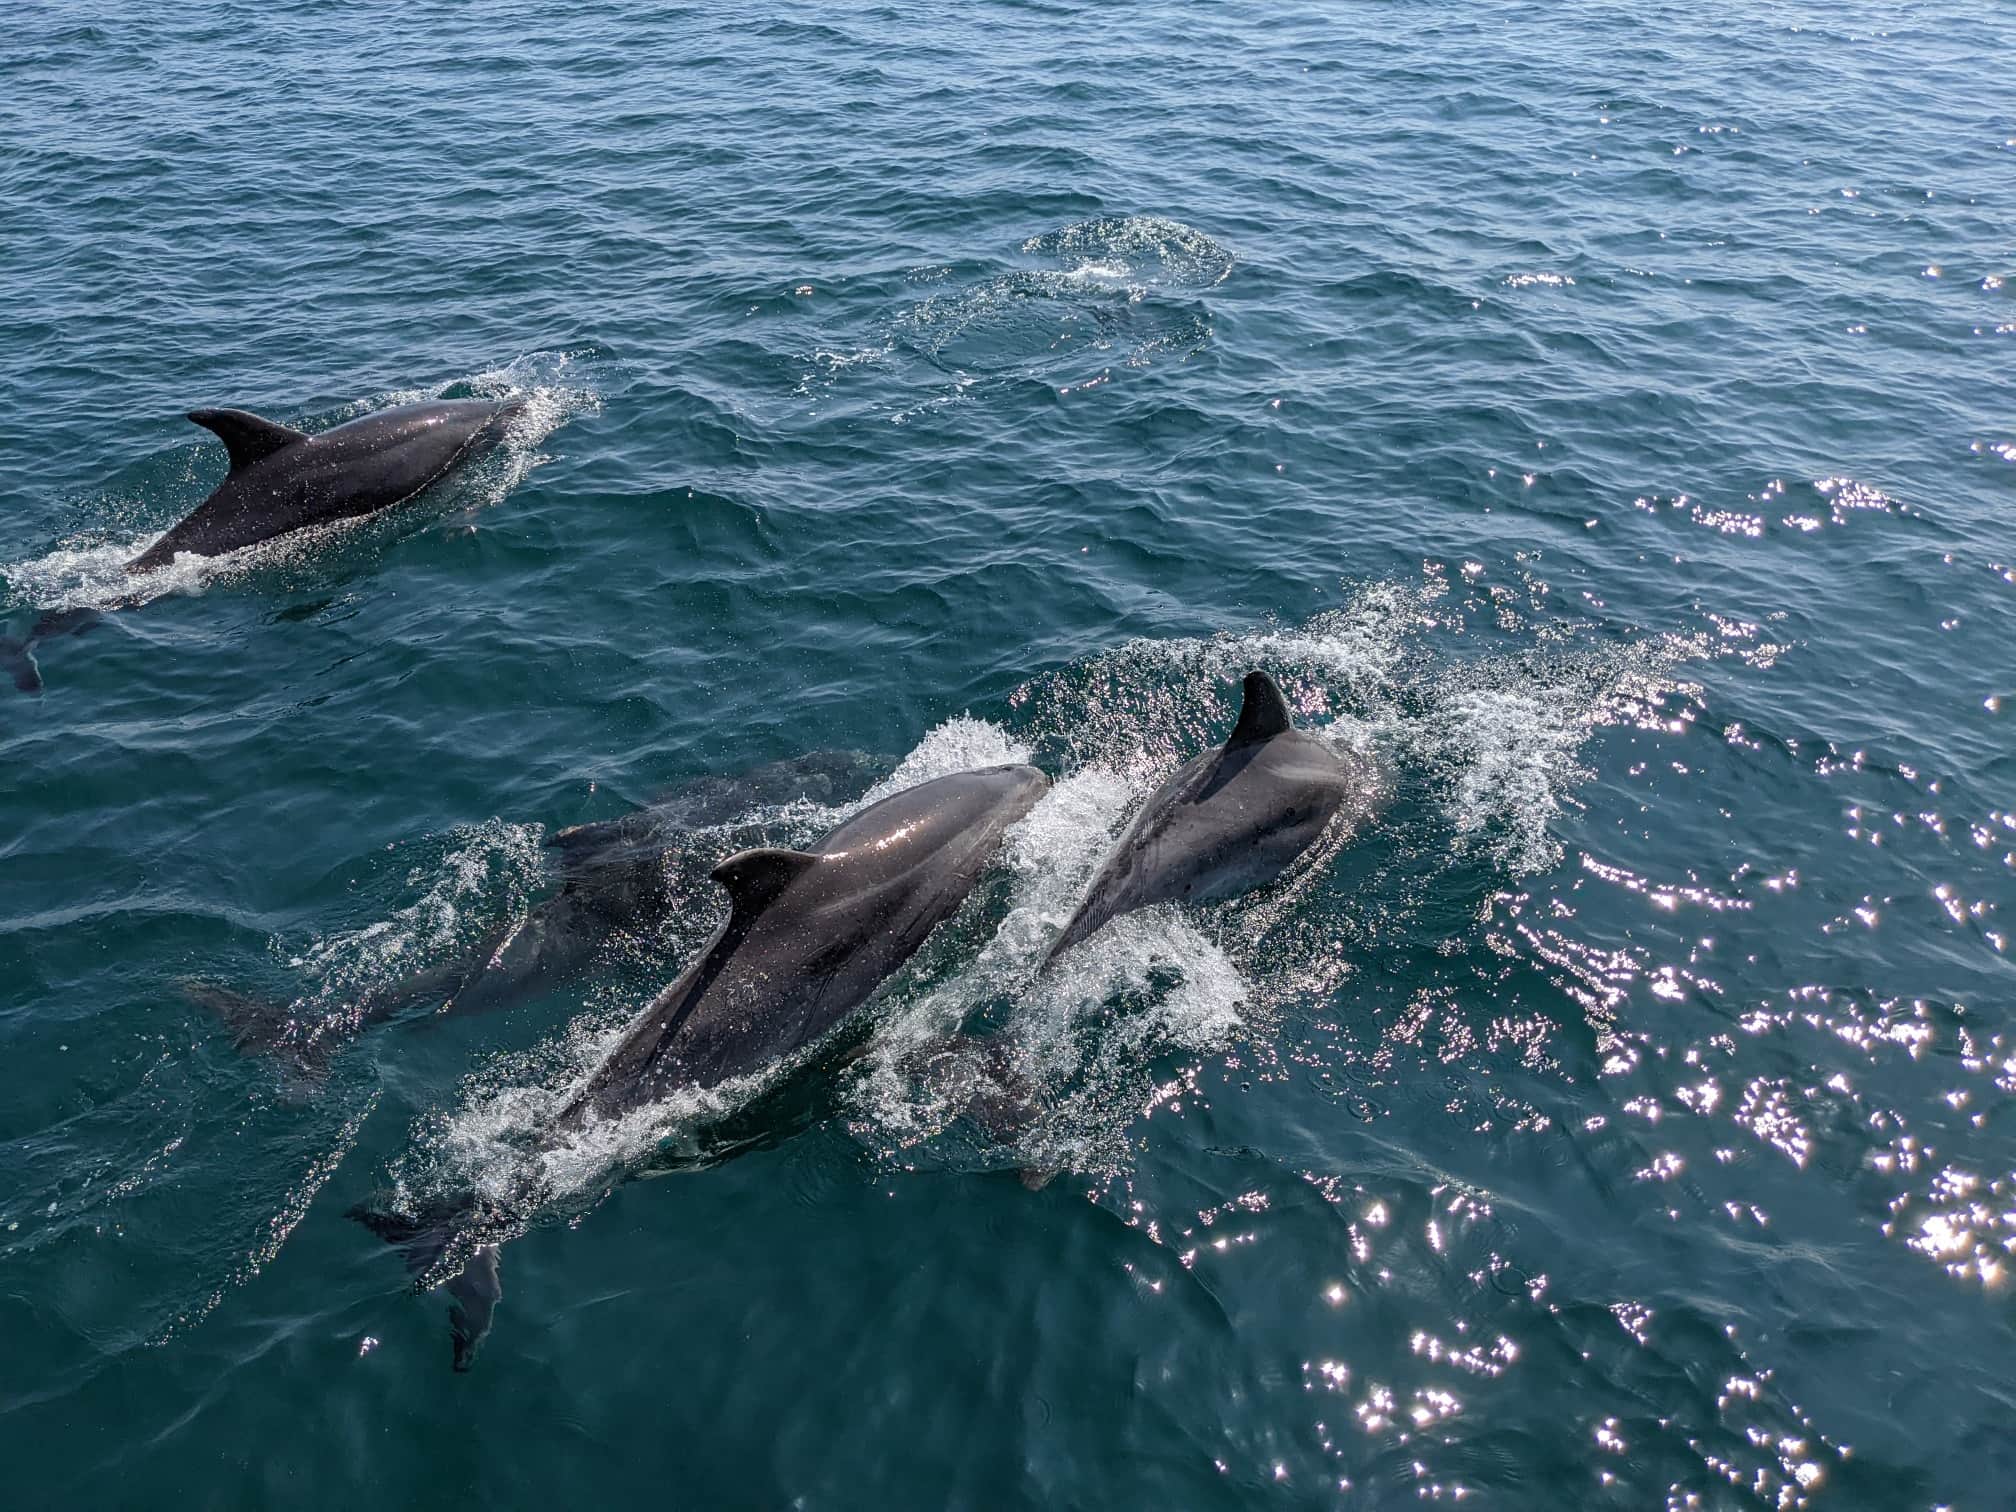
(282, 480)
(1228, 821)
(810, 936)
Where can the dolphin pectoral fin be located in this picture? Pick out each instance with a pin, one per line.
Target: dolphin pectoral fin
(247, 438)
(422, 1240)
(476, 1293)
(17, 656)
(754, 878)
(1263, 715)
(256, 1024)
(17, 653)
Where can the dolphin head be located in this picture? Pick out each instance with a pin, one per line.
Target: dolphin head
(483, 422)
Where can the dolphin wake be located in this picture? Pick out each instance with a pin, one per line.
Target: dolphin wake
(1482, 754)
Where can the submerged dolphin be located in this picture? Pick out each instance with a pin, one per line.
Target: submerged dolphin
(809, 937)
(282, 480)
(1230, 820)
(617, 876)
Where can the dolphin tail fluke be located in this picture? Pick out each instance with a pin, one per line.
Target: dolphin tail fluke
(17, 659)
(423, 1239)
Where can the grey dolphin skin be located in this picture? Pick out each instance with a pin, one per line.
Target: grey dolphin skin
(283, 480)
(1230, 820)
(616, 876)
(809, 937)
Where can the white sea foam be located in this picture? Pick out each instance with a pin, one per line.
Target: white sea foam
(1054, 1031)
(1511, 762)
(1148, 250)
(488, 870)
(962, 744)
(1112, 274)
(90, 573)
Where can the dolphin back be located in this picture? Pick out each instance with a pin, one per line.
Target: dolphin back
(810, 936)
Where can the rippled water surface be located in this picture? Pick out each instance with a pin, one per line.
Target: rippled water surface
(1600, 416)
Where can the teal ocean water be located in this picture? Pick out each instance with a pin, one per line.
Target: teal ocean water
(1604, 414)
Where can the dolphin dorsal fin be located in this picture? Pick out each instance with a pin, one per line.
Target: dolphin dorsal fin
(754, 878)
(246, 437)
(1264, 714)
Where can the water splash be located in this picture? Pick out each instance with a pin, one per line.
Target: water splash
(1138, 252)
(486, 872)
(1117, 290)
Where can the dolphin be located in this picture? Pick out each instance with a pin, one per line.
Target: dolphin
(617, 876)
(1228, 821)
(282, 480)
(810, 935)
